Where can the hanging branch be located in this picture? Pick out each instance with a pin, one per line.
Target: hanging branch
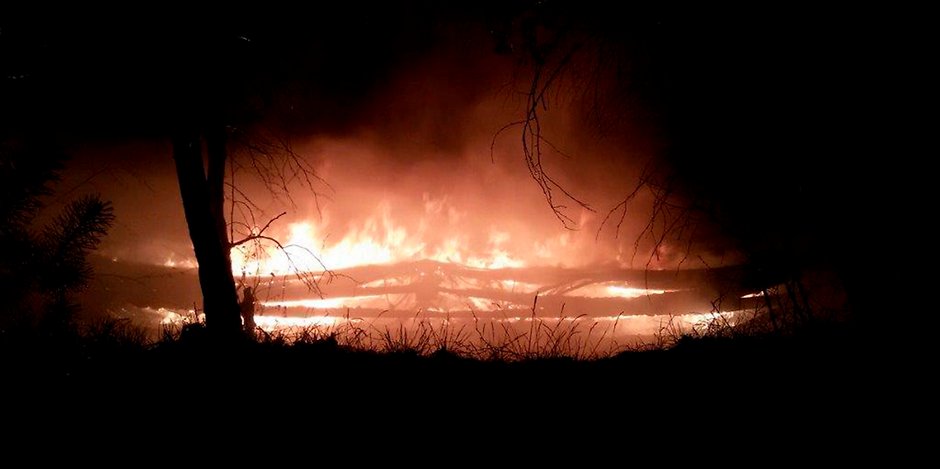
(532, 140)
(532, 137)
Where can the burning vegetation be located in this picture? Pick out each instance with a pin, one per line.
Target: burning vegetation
(538, 163)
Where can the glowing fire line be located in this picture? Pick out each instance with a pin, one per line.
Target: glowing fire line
(619, 325)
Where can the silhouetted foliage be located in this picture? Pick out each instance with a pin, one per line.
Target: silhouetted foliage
(40, 267)
(25, 174)
(66, 241)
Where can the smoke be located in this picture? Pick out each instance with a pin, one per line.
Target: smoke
(419, 150)
(432, 157)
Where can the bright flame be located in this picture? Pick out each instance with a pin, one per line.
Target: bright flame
(172, 263)
(614, 290)
(378, 240)
(361, 246)
(323, 303)
(630, 292)
(169, 316)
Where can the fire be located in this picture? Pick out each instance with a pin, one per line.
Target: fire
(380, 240)
(325, 303)
(172, 262)
(429, 259)
(304, 250)
(402, 262)
(273, 323)
(614, 290)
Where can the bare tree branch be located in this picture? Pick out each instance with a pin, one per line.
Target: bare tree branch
(271, 159)
(311, 280)
(260, 232)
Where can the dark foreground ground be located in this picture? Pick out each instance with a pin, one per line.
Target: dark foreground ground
(820, 366)
(818, 392)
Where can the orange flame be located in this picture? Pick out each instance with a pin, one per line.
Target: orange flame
(380, 240)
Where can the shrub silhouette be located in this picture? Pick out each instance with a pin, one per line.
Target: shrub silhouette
(41, 267)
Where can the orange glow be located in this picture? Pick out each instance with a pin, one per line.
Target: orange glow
(172, 263)
(377, 240)
(602, 334)
(401, 268)
(614, 290)
(487, 272)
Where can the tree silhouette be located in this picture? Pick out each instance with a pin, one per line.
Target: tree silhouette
(203, 80)
(202, 193)
(215, 138)
(196, 80)
(213, 236)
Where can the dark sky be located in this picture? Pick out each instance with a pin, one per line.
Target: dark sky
(124, 75)
(398, 101)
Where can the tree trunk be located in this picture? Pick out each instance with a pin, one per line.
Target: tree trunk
(215, 147)
(204, 218)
